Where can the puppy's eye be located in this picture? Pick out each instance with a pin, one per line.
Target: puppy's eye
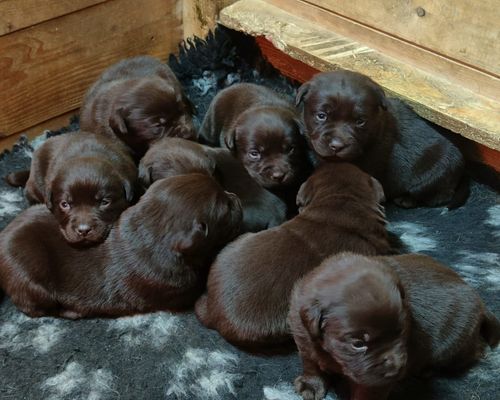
(360, 122)
(321, 116)
(105, 202)
(359, 345)
(254, 155)
(64, 205)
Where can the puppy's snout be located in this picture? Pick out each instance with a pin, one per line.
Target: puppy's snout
(278, 176)
(83, 229)
(336, 145)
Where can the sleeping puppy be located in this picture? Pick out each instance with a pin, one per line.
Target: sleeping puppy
(138, 100)
(173, 156)
(262, 130)
(250, 282)
(348, 118)
(85, 180)
(376, 320)
(155, 258)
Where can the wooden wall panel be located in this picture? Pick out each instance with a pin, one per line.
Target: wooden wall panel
(46, 69)
(464, 30)
(19, 14)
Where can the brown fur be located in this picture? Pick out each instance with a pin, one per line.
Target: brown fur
(250, 282)
(138, 100)
(86, 180)
(155, 258)
(375, 320)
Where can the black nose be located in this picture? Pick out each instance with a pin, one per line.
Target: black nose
(278, 176)
(83, 229)
(336, 145)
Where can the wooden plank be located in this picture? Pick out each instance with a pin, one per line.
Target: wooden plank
(200, 16)
(52, 124)
(46, 69)
(301, 72)
(467, 31)
(479, 81)
(19, 14)
(434, 98)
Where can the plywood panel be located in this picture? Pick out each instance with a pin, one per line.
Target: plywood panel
(46, 69)
(468, 31)
(434, 98)
(479, 81)
(19, 14)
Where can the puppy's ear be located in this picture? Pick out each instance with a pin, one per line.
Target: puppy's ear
(300, 126)
(145, 175)
(301, 93)
(312, 319)
(230, 138)
(381, 97)
(129, 190)
(378, 189)
(304, 195)
(190, 108)
(183, 242)
(117, 121)
(49, 201)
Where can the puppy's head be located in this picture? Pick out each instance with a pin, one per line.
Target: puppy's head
(340, 179)
(173, 156)
(354, 308)
(269, 143)
(343, 112)
(87, 197)
(190, 214)
(149, 109)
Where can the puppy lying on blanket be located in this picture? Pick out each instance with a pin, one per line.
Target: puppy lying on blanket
(376, 320)
(155, 258)
(138, 100)
(250, 282)
(173, 156)
(348, 118)
(86, 180)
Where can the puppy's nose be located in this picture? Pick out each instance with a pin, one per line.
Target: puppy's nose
(278, 176)
(336, 145)
(83, 229)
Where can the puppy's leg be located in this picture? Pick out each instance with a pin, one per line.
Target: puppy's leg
(18, 178)
(310, 385)
(35, 301)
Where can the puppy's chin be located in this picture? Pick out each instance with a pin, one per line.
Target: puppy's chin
(91, 239)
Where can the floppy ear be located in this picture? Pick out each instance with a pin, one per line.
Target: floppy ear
(304, 195)
(129, 190)
(300, 126)
(381, 96)
(378, 189)
(117, 121)
(301, 92)
(145, 175)
(183, 242)
(312, 319)
(49, 201)
(230, 138)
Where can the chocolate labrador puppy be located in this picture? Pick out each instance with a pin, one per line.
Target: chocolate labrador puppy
(250, 282)
(376, 320)
(138, 100)
(263, 131)
(348, 118)
(155, 258)
(85, 180)
(173, 156)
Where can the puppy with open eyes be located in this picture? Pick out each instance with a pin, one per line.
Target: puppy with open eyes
(85, 180)
(376, 320)
(262, 130)
(348, 118)
(250, 282)
(138, 100)
(174, 156)
(155, 258)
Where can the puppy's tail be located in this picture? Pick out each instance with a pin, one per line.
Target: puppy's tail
(461, 193)
(18, 178)
(490, 329)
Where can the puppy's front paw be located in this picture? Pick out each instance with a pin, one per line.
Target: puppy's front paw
(310, 387)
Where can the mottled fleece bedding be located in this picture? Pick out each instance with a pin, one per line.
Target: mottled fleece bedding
(171, 356)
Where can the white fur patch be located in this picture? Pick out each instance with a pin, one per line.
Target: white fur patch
(414, 236)
(10, 202)
(286, 391)
(74, 380)
(40, 334)
(203, 374)
(494, 219)
(155, 329)
(480, 269)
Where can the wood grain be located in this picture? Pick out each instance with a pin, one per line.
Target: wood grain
(19, 14)
(434, 98)
(200, 16)
(46, 69)
(467, 31)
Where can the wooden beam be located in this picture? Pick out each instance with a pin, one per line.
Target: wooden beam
(434, 98)
(200, 16)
